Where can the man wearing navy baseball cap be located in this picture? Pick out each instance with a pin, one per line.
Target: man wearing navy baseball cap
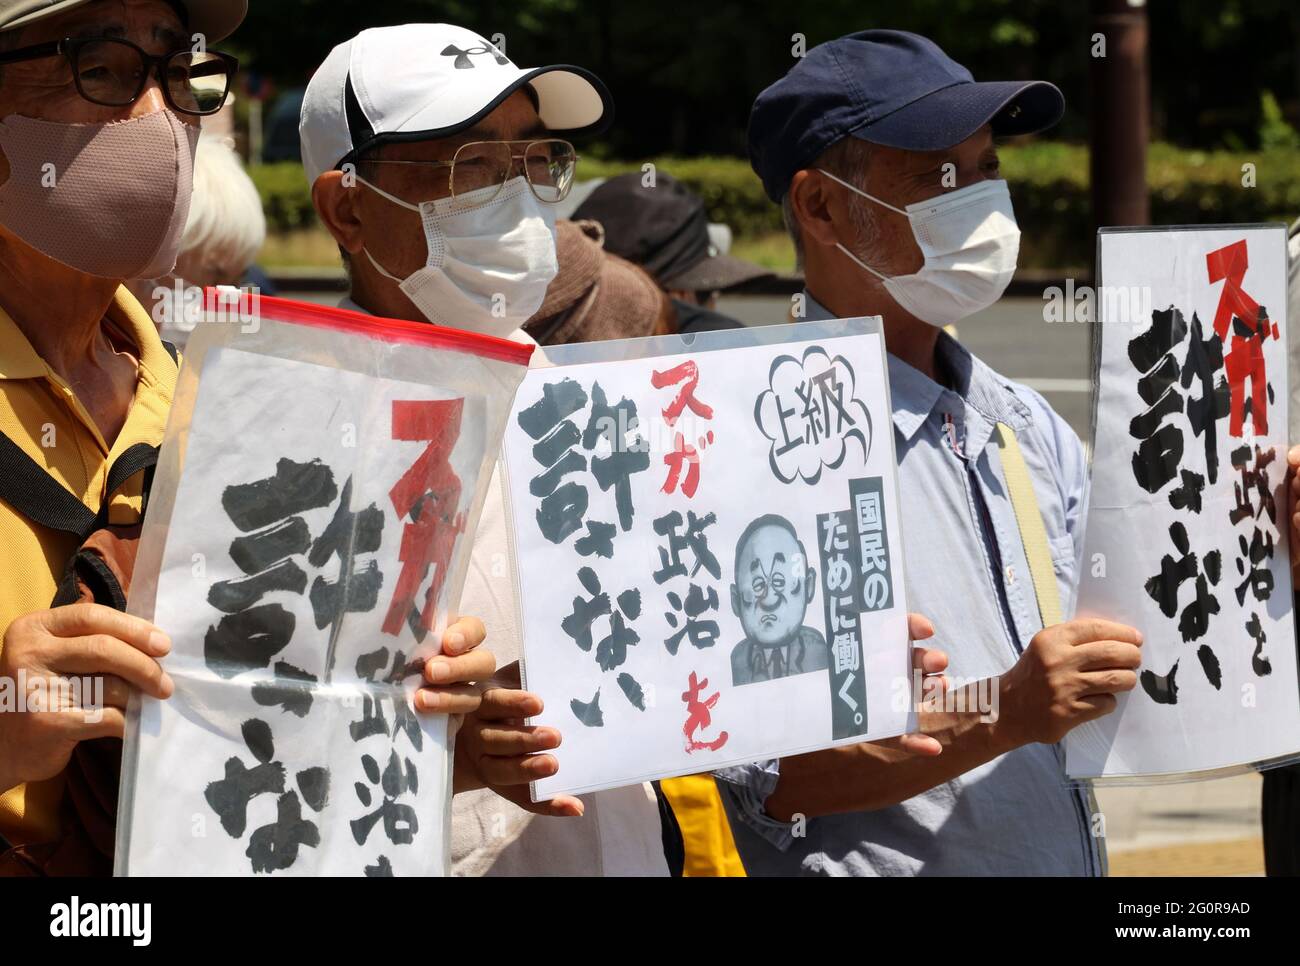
(880, 149)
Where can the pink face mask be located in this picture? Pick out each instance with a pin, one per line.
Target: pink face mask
(105, 199)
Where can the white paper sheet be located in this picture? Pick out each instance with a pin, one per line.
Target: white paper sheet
(654, 653)
(1218, 685)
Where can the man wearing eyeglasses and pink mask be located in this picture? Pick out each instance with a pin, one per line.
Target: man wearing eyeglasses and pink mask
(435, 163)
(100, 102)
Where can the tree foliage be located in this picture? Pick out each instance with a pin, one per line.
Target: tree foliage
(685, 74)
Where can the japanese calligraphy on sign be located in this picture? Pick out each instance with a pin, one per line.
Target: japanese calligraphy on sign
(704, 545)
(1187, 535)
(315, 543)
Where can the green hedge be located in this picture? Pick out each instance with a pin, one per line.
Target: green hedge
(1050, 186)
(1049, 182)
(285, 194)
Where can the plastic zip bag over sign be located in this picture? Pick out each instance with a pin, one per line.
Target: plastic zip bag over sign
(306, 541)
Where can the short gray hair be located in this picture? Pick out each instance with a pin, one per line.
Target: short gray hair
(847, 158)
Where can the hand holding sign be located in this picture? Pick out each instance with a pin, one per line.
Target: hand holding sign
(1069, 674)
(449, 677)
(495, 749)
(928, 663)
(52, 646)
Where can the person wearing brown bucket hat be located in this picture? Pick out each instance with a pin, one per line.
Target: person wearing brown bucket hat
(214, 19)
(597, 295)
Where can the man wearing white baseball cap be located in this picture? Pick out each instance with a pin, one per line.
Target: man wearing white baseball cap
(460, 157)
(435, 163)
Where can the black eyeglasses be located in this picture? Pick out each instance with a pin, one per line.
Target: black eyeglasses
(113, 72)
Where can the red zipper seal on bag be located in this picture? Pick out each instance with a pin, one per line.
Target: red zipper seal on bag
(260, 306)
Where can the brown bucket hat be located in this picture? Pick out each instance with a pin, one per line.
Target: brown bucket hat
(596, 295)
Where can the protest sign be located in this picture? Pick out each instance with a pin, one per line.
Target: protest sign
(708, 550)
(1187, 534)
(308, 533)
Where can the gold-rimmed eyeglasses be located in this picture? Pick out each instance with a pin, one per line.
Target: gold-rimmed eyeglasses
(548, 165)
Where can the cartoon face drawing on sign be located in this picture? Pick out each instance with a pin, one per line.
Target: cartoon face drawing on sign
(773, 587)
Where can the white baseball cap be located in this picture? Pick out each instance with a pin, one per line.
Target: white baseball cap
(422, 81)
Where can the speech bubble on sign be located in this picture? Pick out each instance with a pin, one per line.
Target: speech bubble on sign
(810, 413)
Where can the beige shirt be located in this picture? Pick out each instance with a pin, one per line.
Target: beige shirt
(619, 832)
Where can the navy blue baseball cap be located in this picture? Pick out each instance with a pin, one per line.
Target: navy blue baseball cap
(887, 87)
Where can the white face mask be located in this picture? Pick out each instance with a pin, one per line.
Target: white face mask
(970, 241)
(490, 258)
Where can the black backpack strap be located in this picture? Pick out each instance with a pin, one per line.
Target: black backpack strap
(29, 489)
(99, 579)
(139, 457)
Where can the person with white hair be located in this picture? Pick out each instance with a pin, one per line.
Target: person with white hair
(223, 234)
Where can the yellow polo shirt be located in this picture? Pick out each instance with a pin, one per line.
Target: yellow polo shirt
(40, 412)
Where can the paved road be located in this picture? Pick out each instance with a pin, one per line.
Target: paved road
(1194, 828)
